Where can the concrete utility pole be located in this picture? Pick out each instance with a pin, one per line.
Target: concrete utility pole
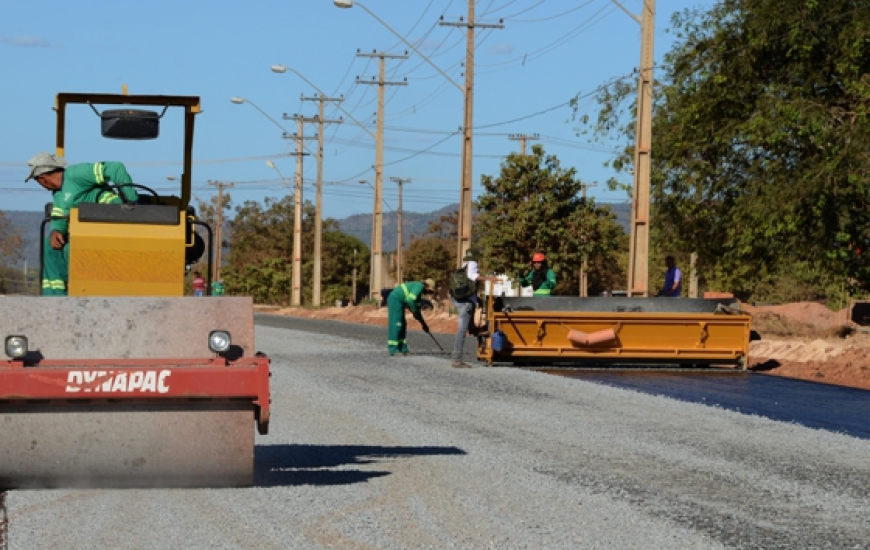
(353, 282)
(465, 195)
(296, 297)
(638, 267)
(584, 267)
(377, 252)
(318, 219)
(372, 240)
(522, 139)
(399, 221)
(219, 222)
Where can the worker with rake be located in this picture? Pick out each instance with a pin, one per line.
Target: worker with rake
(408, 294)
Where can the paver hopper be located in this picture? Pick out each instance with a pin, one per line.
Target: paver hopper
(126, 382)
(610, 331)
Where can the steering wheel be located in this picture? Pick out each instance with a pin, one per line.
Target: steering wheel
(152, 192)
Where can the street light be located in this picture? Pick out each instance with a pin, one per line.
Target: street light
(271, 165)
(296, 298)
(240, 100)
(297, 230)
(350, 3)
(465, 195)
(318, 231)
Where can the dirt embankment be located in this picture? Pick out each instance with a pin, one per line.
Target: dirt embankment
(808, 341)
(804, 340)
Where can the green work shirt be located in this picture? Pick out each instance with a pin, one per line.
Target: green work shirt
(411, 294)
(547, 285)
(86, 182)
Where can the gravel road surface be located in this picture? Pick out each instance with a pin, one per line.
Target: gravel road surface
(367, 451)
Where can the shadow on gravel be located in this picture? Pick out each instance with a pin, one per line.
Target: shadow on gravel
(281, 465)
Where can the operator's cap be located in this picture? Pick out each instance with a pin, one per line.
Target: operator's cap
(430, 283)
(42, 163)
(539, 257)
(471, 255)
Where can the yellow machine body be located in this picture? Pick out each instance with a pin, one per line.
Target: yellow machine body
(124, 259)
(708, 338)
(124, 383)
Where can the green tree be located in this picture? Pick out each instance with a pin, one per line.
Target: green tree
(260, 250)
(261, 247)
(11, 250)
(430, 257)
(535, 205)
(760, 139)
(337, 265)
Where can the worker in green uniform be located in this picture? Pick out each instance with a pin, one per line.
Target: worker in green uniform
(71, 186)
(408, 294)
(217, 288)
(541, 278)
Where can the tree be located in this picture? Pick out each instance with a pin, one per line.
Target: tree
(261, 243)
(535, 205)
(446, 228)
(11, 249)
(430, 257)
(337, 264)
(760, 139)
(261, 251)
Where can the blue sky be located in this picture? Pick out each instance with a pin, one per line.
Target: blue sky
(547, 52)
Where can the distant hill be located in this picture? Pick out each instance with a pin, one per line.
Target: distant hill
(358, 225)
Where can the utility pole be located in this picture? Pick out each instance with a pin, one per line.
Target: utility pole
(372, 242)
(522, 139)
(638, 267)
(584, 267)
(219, 223)
(296, 297)
(401, 244)
(465, 195)
(318, 223)
(377, 252)
(353, 283)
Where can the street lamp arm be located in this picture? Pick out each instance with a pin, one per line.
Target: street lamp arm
(273, 166)
(240, 100)
(632, 15)
(285, 68)
(345, 4)
(383, 201)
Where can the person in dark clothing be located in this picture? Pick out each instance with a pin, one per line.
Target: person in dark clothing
(541, 278)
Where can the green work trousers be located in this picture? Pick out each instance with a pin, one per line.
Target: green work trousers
(54, 269)
(397, 325)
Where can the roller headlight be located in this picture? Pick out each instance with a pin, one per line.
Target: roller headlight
(16, 346)
(219, 341)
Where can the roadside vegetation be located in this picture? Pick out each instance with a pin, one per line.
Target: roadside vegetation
(760, 140)
(760, 166)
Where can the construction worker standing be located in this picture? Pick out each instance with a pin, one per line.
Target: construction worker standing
(408, 294)
(217, 288)
(541, 278)
(80, 183)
